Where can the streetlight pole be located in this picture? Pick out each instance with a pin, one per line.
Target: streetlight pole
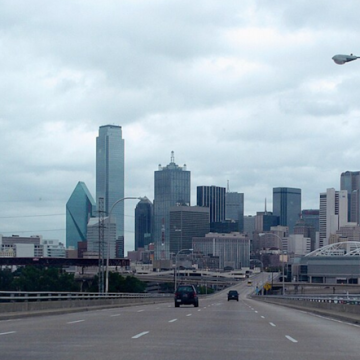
(175, 277)
(108, 239)
(282, 259)
(342, 59)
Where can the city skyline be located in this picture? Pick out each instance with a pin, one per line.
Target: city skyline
(244, 92)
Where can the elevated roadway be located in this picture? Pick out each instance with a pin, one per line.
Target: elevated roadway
(218, 329)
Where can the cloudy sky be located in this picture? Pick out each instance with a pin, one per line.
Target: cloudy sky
(244, 91)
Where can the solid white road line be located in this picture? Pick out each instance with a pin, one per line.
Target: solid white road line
(7, 333)
(141, 334)
(291, 339)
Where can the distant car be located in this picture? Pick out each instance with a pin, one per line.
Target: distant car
(233, 295)
(186, 295)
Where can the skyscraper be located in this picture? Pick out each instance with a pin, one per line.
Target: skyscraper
(350, 181)
(333, 213)
(172, 187)
(110, 172)
(143, 223)
(187, 222)
(212, 197)
(79, 209)
(287, 206)
(234, 208)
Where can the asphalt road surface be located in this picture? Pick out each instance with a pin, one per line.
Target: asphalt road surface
(218, 329)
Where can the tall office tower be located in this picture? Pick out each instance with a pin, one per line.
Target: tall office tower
(234, 208)
(212, 197)
(172, 187)
(79, 209)
(110, 172)
(287, 206)
(187, 222)
(350, 181)
(143, 223)
(333, 213)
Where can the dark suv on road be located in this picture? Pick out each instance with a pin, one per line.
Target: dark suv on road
(233, 295)
(186, 295)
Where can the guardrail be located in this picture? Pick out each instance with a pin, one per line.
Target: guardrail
(353, 299)
(21, 296)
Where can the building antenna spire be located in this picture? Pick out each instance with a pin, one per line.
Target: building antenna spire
(172, 157)
(228, 186)
(265, 206)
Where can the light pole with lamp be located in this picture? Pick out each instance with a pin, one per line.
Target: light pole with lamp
(342, 59)
(282, 259)
(179, 252)
(108, 239)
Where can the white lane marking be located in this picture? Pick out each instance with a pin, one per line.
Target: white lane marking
(256, 312)
(263, 317)
(199, 310)
(140, 310)
(141, 334)
(291, 339)
(7, 333)
(188, 314)
(115, 315)
(173, 320)
(272, 324)
(76, 321)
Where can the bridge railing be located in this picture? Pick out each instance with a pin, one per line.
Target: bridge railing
(353, 299)
(21, 296)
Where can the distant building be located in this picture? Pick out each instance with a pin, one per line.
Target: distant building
(287, 206)
(249, 225)
(232, 250)
(307, 230)
(187, 222)
(350, 181)
(311, 217)
(333, 213)
(234, 208)
(32, 246)
(265, 220)
(120, 247)
(212, 197)
(79, 209)
(297, 245)
(143, 223)
(172, 187)
(110, 172)
(94, 245)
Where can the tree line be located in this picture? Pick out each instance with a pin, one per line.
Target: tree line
(35, 278)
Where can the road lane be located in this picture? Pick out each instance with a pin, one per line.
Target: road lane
(246, 329)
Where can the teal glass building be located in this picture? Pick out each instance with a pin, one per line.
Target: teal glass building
(79, 209)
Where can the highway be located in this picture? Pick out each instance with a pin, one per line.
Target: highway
(218, 329)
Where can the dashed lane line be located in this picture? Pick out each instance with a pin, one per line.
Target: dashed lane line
(291, 339)
(173, 320)
(8, 332)
(272, 324)
(140, 335)
(75, 322)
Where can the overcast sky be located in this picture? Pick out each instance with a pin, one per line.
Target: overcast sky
(244, 91)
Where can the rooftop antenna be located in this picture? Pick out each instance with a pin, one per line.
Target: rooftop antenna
(228, 187)
(172, 157)
(265, 206)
